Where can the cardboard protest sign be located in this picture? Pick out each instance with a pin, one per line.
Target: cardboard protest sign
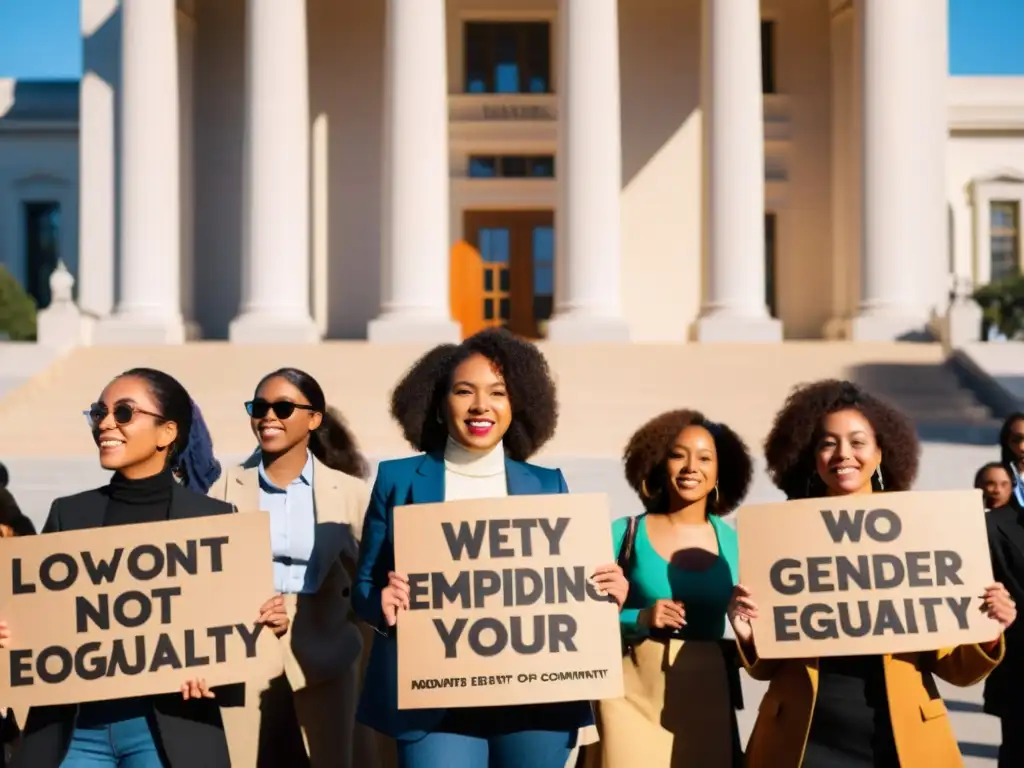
(502, 610)
(868, 574)
(106, 613)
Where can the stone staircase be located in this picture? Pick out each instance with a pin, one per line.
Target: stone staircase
(605, 392)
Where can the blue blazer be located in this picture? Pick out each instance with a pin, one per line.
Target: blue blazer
(420, 480)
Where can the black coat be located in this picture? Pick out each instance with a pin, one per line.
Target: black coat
(1004, 693)
(189, 734)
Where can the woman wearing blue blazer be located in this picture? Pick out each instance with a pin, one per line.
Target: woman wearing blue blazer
(477, 411)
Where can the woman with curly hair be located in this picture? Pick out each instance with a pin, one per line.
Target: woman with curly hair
(681, 559)
(477, 411)
(307, 475)
(831, 438)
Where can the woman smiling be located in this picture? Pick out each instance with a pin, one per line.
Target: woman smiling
(832, 438)
(682, 560)
(307, 476)
(477, 411)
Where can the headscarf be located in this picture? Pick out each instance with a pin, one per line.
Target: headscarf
(197, 464)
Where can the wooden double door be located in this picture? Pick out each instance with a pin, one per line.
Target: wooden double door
(504, 273)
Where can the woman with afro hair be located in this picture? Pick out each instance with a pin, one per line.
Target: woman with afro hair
(477, 411)
(682, 560)
(831, 438)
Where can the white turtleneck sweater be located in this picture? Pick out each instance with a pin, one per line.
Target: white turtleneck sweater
(469, 475)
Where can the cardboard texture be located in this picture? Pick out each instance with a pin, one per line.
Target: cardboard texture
(134, 610)
(502, 611)
(869, 574)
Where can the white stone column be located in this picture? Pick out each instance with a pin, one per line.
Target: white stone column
(97, 137)
(186, 86)
(905, 227)
(733, 133)
(416, 249)
(275, 237)
(149, 309)
(588, 241)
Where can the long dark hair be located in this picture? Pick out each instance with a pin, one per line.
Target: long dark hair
(332, 443)
(191, 454)
(1005, 453)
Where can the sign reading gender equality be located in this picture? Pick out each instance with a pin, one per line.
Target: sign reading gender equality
(869, 574)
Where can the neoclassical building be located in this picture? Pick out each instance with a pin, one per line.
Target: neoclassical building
(653, 170)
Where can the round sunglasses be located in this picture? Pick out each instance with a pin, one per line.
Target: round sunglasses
(283, 409)
(123, 414)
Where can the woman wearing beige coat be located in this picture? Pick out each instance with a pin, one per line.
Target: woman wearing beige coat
(307, 475)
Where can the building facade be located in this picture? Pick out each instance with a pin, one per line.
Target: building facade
(653, 170)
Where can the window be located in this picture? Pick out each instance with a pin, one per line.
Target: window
(768, 57)
(543, 272)
(42, 248)
(508, 57)
(1004, 231)
(512, 166)
(769, 264)
(495, 246)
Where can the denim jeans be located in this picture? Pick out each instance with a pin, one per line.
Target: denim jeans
(523, 749)
(113, 735)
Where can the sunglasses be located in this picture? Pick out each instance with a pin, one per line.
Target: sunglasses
(283, 409)
(123, 414)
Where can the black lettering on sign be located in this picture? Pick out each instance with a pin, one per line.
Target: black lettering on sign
(516, 586)
(60, 570)
(489, 636)
(878, 618)
(467, 540)
(95, 659)
(842, 526)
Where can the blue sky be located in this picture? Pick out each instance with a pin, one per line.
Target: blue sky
(40, 38)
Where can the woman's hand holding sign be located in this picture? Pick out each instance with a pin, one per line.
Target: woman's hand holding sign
(196, 689)
(274, 615)
(610, 580)
(5, 634)
(394, 596)
(742, 609)
(998, 605)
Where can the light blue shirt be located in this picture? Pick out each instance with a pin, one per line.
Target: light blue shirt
(292, 530)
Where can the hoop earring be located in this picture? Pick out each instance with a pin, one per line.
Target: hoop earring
(440, 419)
(881, 481)
(718, 495)
(643, 489)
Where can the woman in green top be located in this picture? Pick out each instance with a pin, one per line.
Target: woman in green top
(681, 559)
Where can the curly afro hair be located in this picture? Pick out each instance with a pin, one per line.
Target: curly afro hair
(420, 395)
(648, 450)
(790, 447)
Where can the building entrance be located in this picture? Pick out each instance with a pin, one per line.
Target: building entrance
(502, 273)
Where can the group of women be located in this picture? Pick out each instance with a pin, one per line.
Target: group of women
(476, 412)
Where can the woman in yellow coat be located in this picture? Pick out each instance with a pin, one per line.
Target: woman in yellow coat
(833, 439)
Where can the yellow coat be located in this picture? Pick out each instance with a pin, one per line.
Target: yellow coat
(920, 724)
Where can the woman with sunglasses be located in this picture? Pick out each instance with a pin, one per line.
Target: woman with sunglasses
(142, 426)
(307, 474)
